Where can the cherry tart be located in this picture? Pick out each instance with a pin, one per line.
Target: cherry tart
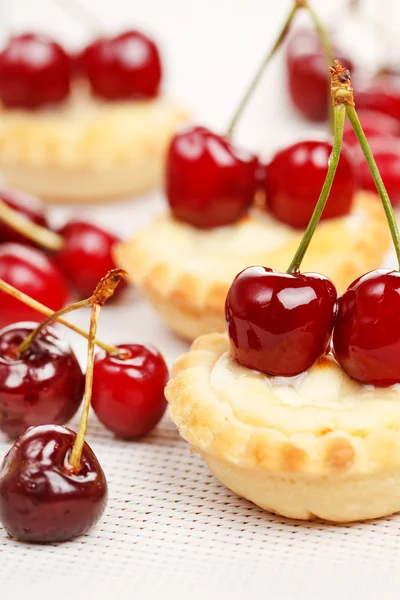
(92, 135)
(186, 272)
(317, 445)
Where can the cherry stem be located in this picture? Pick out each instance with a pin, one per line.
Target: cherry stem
(102, 293)
(24, 345)
(18, 295)
(339, 119)
(81, 13)
(380, 186)
(325, 43)
(41, 235)
(76, 454)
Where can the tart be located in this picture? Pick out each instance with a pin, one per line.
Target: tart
(318, 445)
(186, 272)
(87, 149)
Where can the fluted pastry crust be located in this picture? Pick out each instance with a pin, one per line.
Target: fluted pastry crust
(186, 273)
(316, 445)
(86, 149)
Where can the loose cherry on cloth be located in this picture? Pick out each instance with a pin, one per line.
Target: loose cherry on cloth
(128, 391)
(366, 340)
(43, 385)
(29, 207)
(209, 182)
(33, 273)
(86, 255)
(307, 79)
(52, 487)
(34, 71)
(123, 67)
(279, 323)
(294, 178)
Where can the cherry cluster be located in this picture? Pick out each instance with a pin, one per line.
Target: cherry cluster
(52, 487)
(36, 71)
(79, 253)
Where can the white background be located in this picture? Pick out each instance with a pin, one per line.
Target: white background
(170, 529)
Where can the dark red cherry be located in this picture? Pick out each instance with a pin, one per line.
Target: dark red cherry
(366, 339)
(34, 71)
(278, 323)
(41, 499)
(386, 152)
(294, 179)
(307, 74)
(385, 100)
(86, 256)
(45, 385)
(33, 273)
(209, 182)
(29, 206)
(374, 124)
(123, 67)
(128, 393)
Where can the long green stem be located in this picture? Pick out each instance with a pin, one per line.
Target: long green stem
(24, 345)
(339, 118)
(45, 310)
(254, 82)
(380, 186)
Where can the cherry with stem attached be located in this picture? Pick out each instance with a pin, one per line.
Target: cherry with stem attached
(280, 323)
(366, 340)
(52, 487)
(209, 181)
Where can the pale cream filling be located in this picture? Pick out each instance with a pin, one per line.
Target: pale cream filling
(321, 398)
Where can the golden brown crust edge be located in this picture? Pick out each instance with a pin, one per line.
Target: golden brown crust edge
(192, 307)
(209, 425)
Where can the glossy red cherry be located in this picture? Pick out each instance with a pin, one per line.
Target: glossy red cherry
(29, 206)
(294, 179)
(33, 273)
(86, 256)
(366, 339)
(45, 385)
(34, 71)
(128, 393)
(123, 67)
(279, 323)
(374, 124)
(385, 100)
(386, 152)
(41, 498)
(307, 74)
(209, 182)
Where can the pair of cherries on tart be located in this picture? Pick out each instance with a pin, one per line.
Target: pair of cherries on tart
(52, 487)
(35, 70)
(81, 252)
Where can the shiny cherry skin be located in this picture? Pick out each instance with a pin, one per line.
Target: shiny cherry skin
(307, 74)
(41, 499)
(128, 393)
(31, 272)
(279, 323)
(86, 256)
(374, 124)
(386, 152)
(385, 100)
(209, 182)
(123, 67)
(29, 206)
(366, 339)
(34, 71)
(45, 385)
(294, 179)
